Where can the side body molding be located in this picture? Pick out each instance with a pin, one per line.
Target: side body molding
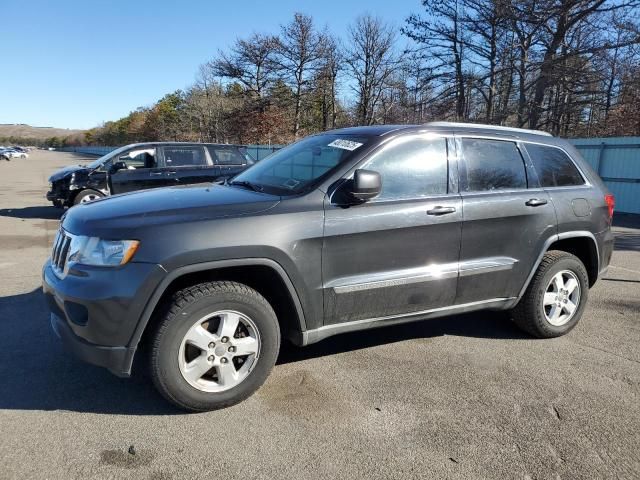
(200, 267)
(547, 244)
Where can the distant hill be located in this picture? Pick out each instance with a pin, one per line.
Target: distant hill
(27, 131)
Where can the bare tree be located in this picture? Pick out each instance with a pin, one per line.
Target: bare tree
(250, 62)
(370, 60)
(440, 36)
(299, 51)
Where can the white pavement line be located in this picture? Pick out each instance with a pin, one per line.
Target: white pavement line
(625, 269)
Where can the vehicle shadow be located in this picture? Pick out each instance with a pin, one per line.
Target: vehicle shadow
(627, 241)
(39, 212)
(38, 374)
(483, 324)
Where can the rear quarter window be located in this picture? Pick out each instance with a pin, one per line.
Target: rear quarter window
(226, 156)
(554, 167)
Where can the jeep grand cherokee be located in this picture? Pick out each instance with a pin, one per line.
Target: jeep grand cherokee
(345, 230)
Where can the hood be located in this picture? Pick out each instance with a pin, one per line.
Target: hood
(66, 171)
(131, 212)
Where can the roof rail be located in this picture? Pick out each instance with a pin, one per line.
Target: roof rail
(488, 127)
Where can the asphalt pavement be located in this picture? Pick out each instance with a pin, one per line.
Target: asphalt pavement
(467, 396)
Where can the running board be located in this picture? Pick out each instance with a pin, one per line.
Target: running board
(315, 335)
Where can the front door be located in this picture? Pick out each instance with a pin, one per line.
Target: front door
(507, 219)
(396, 254)
(139, 172)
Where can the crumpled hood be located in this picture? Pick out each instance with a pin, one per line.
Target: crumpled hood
(63, 172)
(129, 214)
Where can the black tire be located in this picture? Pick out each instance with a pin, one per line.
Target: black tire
(84, 194)
(529, 314)
(186, 307)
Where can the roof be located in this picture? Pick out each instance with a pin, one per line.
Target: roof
(380, 130)
(141, 144)
(481, 126)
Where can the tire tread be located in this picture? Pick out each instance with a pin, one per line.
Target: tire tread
(525, 313)
(178, 301)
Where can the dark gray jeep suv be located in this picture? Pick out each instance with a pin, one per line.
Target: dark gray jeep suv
(346, 230)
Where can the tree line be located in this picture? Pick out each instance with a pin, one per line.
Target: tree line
(569, 67)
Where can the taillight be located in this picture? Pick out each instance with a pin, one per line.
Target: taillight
(611, 203)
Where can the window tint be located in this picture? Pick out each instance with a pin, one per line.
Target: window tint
(554, 167)
(184, 156)
(226, 156)
(491, 165)
(139, 158)
(411, 167)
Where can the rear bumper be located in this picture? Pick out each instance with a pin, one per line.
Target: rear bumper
(605, 241)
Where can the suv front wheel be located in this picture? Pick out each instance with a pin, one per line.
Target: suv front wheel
(555, 298)
(214, 346)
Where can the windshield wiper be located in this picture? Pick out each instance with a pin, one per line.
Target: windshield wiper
(247, 184)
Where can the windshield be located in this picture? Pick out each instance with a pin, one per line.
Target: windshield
(301, 165)
(97, 163)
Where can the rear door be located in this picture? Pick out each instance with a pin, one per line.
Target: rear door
(187, 164)
(507, 218)
(228, 158)
(141, 164)
(398, 253)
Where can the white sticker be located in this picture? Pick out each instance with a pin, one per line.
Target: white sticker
(344, 144)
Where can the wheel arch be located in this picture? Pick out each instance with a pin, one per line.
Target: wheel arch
(266, 276)
(580, 243)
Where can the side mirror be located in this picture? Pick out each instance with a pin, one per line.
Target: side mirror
(367, 184)
(118, 166)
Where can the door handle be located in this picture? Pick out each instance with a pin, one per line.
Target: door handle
(171, 172)
(441, 210)
(157, 174)
(535, 202)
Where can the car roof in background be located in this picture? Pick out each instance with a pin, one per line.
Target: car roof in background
(184, 144)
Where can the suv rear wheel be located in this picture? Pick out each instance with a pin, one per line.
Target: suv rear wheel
(556, 297)
(215, 345)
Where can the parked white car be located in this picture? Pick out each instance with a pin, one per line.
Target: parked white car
(16, 153)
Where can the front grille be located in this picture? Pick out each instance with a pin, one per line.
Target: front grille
(60, 254)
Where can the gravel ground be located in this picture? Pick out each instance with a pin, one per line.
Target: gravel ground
(459, 397)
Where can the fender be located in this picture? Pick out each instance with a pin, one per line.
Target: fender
(552, 239)
(200, 267)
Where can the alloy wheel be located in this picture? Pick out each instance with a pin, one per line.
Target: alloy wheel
(219, 351)
(561, 298)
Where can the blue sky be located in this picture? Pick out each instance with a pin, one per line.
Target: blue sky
(75, 64)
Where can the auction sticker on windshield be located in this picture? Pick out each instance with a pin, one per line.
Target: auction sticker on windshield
(344, 144)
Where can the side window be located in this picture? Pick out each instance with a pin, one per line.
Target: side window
(491, 165)
(180, 156)
(554, 167)
(139, 158)
(411, 167)
(226, 156)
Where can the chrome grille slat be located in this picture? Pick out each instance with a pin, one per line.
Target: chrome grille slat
(60, 252)
(64, 251)
(56, 248)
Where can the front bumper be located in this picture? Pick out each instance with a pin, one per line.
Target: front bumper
(95, 310)
(117, 359)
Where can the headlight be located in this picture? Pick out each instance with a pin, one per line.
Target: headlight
(105, 253)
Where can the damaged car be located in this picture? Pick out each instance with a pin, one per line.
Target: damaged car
(146, 165)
